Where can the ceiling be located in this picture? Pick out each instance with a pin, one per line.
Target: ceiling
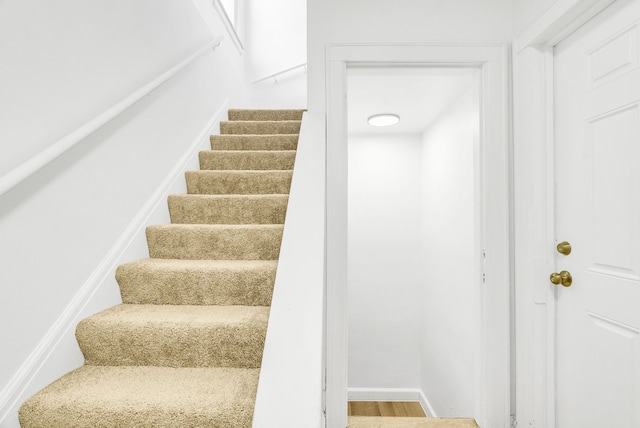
(417, 94)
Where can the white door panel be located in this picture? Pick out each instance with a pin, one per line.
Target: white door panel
(597, 139)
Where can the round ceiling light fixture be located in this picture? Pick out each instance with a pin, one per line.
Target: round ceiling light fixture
(386, 119)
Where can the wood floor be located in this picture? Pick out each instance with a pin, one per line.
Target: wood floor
(386, 408)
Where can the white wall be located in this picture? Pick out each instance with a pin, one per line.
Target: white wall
(384, 261)
(63, 62)
(289, 91)
(275, 34)
(400, 21)
(451, 298)
(525, 11)
(276, 40)
(292, 371)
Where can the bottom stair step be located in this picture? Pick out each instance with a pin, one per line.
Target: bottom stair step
(101, 397)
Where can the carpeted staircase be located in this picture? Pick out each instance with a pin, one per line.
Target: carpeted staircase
(185, 347)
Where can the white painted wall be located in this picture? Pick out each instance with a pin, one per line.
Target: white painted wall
(292, 370)
(384, 261)
(525, 12)
(64, 62)
(403, 21)
(65, 228)
(290, 91)
(276, 36)
(276, 40)
(451, 297)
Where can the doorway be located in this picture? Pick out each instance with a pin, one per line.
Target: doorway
(597, 207)
(414, 286)
(491, 384)
(572, 335)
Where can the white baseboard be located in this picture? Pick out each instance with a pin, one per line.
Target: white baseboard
(392, 394)
(124, 250)
(426, 406)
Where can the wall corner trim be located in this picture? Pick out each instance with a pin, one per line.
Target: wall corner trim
(556, 22)
(14, 391)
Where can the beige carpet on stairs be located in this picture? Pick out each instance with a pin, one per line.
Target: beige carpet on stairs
(184, 348)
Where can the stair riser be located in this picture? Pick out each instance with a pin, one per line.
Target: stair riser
(223, 244)
(199, 209)
(263, 160)
(238, 182)
(170, 345)
(236, 114)
(260, 127)
(248, 287)
(254, 142)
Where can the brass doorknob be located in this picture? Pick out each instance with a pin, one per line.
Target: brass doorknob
(563, 278)
(564, 248)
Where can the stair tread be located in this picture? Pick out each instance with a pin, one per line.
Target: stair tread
(264, 121)
(197, 282)
(194, 208)
(178, 316)
(103, 396)
(208, 266)
(242, 172)
(247, 159)
(254, 136)
(267, 109)
(250, 136)
(254, 141)
(249, 152)
(215, 227)
(215, 241)
(260, 127)
(254, 114)
(232, 196)
(239, 181)
(175, 335)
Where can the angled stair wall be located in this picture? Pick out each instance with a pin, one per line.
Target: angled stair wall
(185, 347)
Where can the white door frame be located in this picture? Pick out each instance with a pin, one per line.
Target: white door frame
(534, 205)
(493, 385)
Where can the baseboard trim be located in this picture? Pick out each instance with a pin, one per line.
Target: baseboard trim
(392, 394)
(426, 406)
(13, 393)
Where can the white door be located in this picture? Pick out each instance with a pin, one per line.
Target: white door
(597, 166)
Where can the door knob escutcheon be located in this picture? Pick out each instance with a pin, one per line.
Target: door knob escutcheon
(563, 278)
